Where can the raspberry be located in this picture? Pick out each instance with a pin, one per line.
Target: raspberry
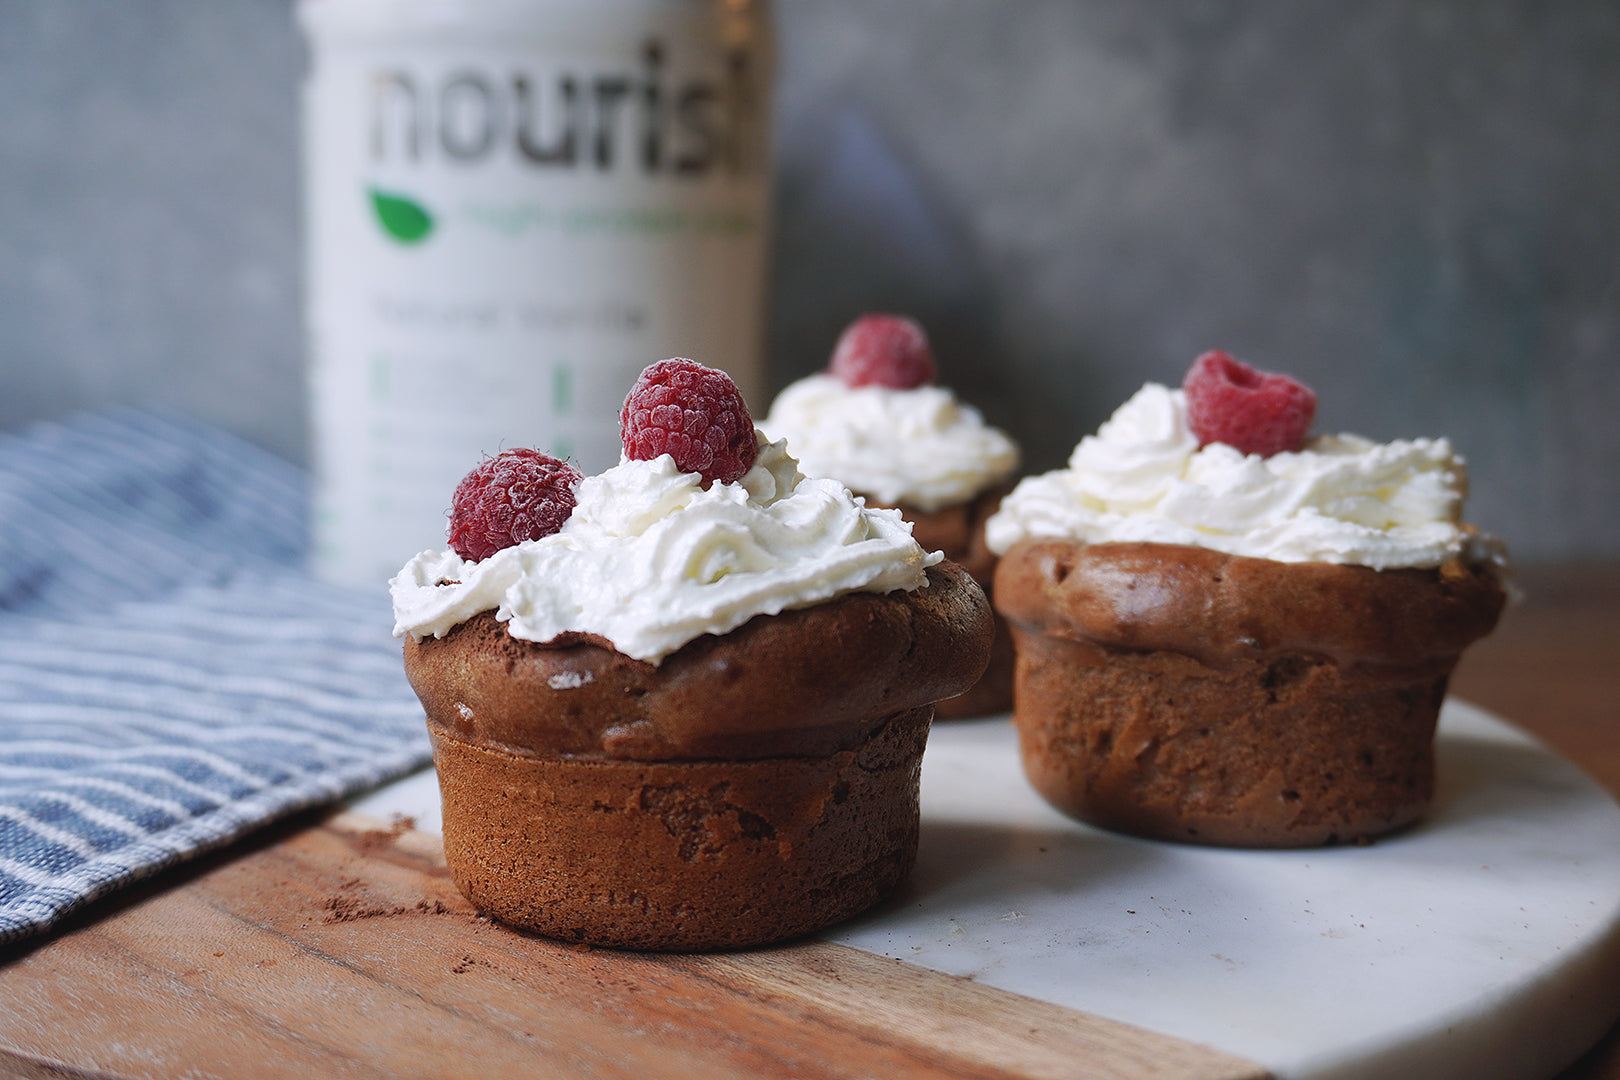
(693, 413)
(1258, 412)
(883, 350)
(515, 496)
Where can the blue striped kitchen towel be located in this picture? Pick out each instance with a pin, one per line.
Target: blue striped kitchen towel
(170, 676)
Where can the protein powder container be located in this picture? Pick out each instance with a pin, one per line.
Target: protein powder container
(512, 207)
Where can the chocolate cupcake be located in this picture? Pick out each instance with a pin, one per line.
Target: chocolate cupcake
(1186, 694)
(876, 421)
(753, 786)
(1239, 648)
(692, 716)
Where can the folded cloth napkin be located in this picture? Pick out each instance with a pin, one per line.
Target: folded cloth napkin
(171, 678)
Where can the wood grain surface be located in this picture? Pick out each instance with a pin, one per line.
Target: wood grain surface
(342, 949)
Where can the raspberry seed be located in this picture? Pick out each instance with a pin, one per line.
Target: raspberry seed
(695, 414)
(515, 496)
(1257, 412)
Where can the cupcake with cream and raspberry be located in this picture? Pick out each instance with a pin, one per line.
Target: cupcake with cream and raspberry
(877, 421)
(1229, 633)
(680, 704)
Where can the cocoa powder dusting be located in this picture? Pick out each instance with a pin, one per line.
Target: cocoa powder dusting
(374, 840)
(350, 903)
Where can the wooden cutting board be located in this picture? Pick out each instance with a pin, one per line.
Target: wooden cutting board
(340, 948)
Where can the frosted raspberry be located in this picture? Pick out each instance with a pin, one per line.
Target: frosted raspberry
(883, 350)
(1258, 412)
(515, 496)
(693, 413)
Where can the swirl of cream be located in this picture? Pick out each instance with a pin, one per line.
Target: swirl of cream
(1341, 499)
(650, 559)
(919, 447)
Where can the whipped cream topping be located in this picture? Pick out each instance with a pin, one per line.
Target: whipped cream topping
(920, 447)
(1341, 499)
(650, 560)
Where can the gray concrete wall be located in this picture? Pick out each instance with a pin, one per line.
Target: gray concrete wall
(1412, 206)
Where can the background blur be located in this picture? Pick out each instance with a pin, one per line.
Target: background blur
(1413, 206)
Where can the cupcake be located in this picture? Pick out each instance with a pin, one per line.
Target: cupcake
(876, 422)
(680, 704)
(1230, 634)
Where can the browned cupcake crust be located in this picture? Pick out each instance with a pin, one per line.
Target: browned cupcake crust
(1182, 693)
(958, 531)
(808, 681)
(753, 787)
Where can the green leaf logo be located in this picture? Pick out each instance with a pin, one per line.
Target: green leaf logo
(404, 220)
